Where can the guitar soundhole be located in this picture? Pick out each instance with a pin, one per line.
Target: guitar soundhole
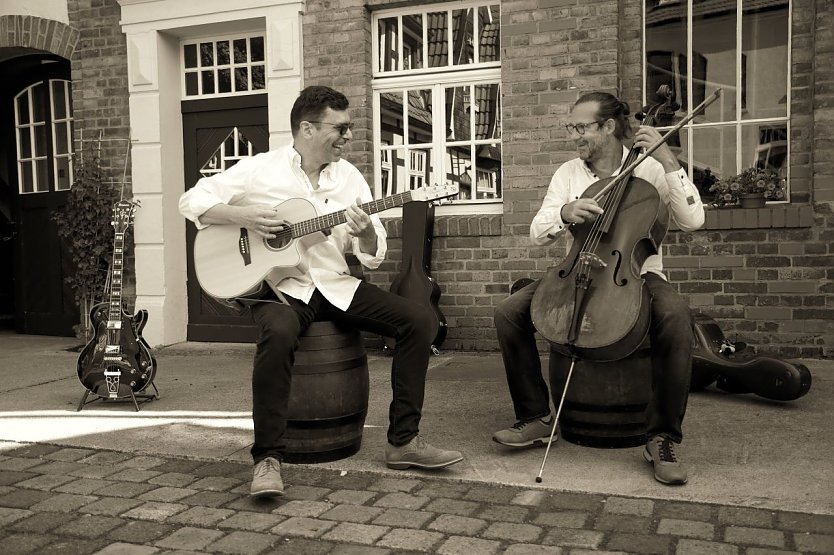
(281, 240)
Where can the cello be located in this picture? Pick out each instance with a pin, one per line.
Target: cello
(573, 305)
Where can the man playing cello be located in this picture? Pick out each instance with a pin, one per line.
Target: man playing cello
(598, 126)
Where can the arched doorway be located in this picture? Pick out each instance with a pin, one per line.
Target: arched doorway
(35, 177)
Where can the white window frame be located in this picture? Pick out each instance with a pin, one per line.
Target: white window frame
(214, 39)
(739, 123)
(65, 125)
(435, 79)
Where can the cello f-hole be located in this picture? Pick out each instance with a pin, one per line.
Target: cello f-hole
(621, 282)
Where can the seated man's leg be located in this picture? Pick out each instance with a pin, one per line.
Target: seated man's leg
(522, 364)
(671, 345)
(279, 327)
(414, 326)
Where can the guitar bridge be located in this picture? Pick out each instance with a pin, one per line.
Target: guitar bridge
(243, 246)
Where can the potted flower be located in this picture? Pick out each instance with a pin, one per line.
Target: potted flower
(751, 188)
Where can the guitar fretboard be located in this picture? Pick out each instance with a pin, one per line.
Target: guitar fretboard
(327, 221)
(114, 316)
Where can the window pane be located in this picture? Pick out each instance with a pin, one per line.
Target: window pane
(61, 130)
(419, 116)
(488, 111)
(665, 50)
(459, 170)
(22, 102)
(765, 146)
(413, 41)
(27, 178)
(190, 54)
(224, 80)
(240, 51)
(714, 156)
(765, 50)
(388, 44)
(59, 108)
(241, 79)
(223, 52)
(62, 174)
(39, 103)
(462, 41)
(258, 81)
(714, 60)
(24, 140)
(489, 36)
(191, 84)
(409, 169)
(458, 108)
(206, 54)
(41, 148)
(43, 175)
(438, 37)
(488, 171)
(208, 82)
(257, 49)
(391, 118)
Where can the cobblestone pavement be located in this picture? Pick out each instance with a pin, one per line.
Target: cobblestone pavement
(57, 500)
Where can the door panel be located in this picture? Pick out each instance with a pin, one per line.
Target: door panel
(213, 139)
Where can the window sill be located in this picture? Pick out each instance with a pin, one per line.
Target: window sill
(772, 216)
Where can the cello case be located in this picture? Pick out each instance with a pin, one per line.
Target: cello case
(414, 280)
(735, 370)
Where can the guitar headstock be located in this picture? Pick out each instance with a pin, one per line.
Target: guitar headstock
(434, 192)
(123, 213)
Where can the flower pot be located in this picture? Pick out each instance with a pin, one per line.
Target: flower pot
(752, 200)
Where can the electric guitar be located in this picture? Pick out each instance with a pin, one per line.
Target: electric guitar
(230, 263)
(117, 362)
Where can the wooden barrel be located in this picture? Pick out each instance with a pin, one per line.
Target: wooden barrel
(605, 405)
(328, 397)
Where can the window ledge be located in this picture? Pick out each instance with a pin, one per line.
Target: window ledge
(776, 216)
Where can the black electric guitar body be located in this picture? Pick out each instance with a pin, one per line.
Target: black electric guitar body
(134, 362)
(117, 362)
(414, 280)
(735, 370)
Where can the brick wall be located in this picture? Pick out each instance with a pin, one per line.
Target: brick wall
(772, 286)
(100, 96)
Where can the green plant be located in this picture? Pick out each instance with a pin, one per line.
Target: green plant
(84, 225)
(750, 181)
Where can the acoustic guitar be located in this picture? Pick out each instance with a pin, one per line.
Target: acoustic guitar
(231, 264)
(117, 362)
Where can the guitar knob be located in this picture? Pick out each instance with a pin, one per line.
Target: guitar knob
(132, 384)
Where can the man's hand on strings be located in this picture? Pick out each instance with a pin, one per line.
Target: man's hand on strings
(580, 210)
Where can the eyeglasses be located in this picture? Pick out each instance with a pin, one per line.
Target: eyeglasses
(342, 127)
(580, 128)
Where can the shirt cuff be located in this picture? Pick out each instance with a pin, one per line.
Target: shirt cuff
(370, 261)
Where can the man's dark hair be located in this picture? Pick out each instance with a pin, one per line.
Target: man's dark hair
(312, 102)
(610, 107)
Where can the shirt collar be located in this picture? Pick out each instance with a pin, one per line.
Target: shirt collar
(617, 171)
(295, 160)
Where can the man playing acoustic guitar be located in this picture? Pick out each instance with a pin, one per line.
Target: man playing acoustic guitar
(247, 195)
(598, 127)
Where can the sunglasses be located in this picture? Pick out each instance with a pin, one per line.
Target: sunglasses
(343, 128)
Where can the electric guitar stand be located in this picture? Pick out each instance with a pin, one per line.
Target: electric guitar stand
(137, 398)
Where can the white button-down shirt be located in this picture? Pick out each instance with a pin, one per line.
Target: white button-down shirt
(572, 178)
(273, 177)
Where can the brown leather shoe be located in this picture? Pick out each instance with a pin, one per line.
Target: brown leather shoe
(660, 451)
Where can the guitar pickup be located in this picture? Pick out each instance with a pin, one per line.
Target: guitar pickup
(243, 246)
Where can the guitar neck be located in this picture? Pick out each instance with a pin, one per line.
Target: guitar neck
(114, 314)
(333, 219)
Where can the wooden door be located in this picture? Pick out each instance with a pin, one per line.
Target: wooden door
(216, 133)
(35, 130)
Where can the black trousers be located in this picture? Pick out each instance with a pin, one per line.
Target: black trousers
(671, 354)
(412, 325)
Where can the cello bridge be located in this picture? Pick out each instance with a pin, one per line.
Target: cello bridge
(592, 259)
